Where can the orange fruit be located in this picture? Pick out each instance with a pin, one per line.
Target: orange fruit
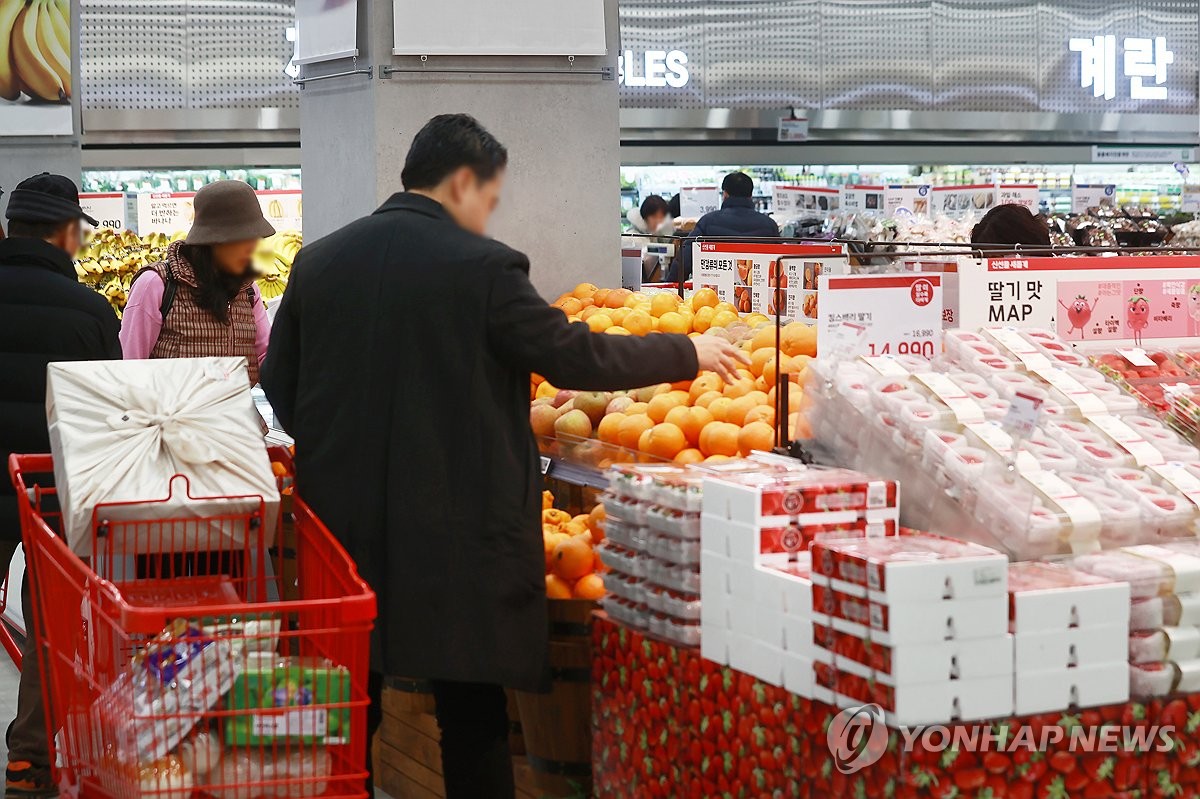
(639, 323)
(719, 408)
(759, 359)
(587, 302)
(547, 500)
(664, 441)
(617, 331)
(690, 420)
(799, 339)
(632, 427)
(717, 459)
(739, 388)
(600, 296)
(756, 435)
(588, 313)
(702, 320)
(590, 586)
(762, 413)
(555, 516)
(674, 323)
(572, 558)
(544, 389)
(550, 540)
(707, 381)
(764, 338)
(661, 405)
(663, 303)
(724, 318)
(557, 588)
(738, 408)
(618, 315)
(637, 407)
(787, 366)
(799, 426)
(704, 298)
(598, 323)
(609, 430)
(705, 400)
(596, 521)
(725, 306)
(616, 298)
(719, 438)
(637, 299)
(584, 290)
(795, 398)
(689, 456)
(570, 306)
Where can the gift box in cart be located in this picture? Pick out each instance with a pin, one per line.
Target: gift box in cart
(180, 674)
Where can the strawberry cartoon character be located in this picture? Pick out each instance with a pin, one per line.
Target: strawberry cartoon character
(1137, 316)
(1079, 313)
(1194, 303)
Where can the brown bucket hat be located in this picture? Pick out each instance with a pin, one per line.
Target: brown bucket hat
(226, 211)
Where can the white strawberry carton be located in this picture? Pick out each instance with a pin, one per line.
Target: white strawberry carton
(1050, 598)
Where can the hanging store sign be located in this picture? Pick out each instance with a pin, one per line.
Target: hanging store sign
(37, 72)
(1027, 196)
(1189, 198)
(325, 30)
(1143, 62)
(901, 314)
(857, 199)
(1142, 155)
(959, 201)
(913, 198)
(653, 69)
(1085, 298)
(1093, 195)
(167, 212)
(283, 208)
(793, 130)
(485, 27)
(748, 274)
(791, 202)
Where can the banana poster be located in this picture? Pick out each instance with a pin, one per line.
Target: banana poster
(35, 67)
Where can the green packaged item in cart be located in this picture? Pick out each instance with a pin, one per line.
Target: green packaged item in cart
(289, 699)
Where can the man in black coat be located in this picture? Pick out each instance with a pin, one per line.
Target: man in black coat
(400, 361)
(735, 217)
(45, 315)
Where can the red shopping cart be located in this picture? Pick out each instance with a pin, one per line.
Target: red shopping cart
(182, 673)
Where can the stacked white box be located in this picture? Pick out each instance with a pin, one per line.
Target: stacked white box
(915, 623)
(1069, 638)
(1164, 617)
(756, 608)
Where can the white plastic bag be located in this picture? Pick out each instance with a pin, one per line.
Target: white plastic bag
(120, 430)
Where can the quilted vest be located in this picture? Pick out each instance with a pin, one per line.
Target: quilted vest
(190, 331)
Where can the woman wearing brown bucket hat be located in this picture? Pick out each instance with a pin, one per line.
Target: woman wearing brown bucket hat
(202, 300)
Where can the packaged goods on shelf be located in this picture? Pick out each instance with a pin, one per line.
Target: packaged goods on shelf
(917, 623)
(120, 429)
(1069, 631)
(1091, 473)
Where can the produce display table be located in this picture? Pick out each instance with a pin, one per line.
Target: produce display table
(668, 723)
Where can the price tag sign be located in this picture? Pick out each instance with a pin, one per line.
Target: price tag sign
(696, 201)
(793, 130)
(107, 209)
(1136, 356)
(546, 464)
(902, 314)
(1023, 414)
(165, 213)
(1189, 200)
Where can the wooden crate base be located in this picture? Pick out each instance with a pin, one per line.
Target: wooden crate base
(408, 757)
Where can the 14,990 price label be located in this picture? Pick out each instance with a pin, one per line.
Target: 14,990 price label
(902, 314)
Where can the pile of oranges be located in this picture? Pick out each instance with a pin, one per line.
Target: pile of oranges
(573, 568)
(693, 421)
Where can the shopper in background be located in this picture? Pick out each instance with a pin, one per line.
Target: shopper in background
(202, 301)
(436, 494)
(1009, 225)
(650, 220)
(46, 315)
(735, 217)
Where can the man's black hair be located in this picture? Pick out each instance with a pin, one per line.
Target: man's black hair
(446, 143)
(738, 184)
(18, 229)
(653, 205)
(673, 207)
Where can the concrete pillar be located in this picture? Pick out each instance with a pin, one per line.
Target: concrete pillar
(561, 201)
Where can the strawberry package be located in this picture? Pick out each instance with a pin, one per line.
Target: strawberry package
(910, 621)
(756, 499)
(1054, 598)
(915, 704)
(916, 567)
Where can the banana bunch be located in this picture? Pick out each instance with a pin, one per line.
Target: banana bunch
(35, 49)
(273, 262)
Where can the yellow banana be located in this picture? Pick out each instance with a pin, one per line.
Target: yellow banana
(54, 36)
(32, 64)
(10, 85)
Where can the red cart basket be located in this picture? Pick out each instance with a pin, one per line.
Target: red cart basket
(186, 674)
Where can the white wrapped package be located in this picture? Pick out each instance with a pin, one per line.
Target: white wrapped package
(119, 432)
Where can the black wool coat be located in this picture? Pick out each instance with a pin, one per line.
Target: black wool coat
(46, 315)
(400, 361)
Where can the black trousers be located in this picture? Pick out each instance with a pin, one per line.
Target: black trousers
(473, 718)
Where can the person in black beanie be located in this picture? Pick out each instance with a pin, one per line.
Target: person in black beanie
(46, 315)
